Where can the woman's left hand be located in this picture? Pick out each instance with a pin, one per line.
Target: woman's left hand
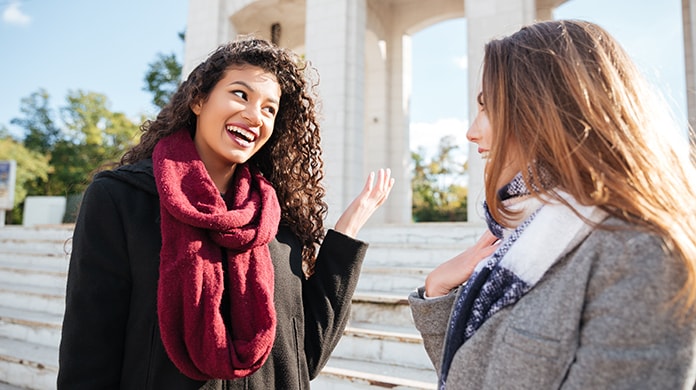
(366, 203)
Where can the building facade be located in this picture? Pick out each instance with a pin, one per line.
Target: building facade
(361, 49)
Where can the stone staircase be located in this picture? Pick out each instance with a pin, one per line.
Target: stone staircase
(380, 347)
(33, 270)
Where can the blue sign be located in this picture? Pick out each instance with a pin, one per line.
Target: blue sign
(7, 184)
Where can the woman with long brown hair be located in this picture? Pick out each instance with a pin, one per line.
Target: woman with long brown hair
(587, 276)
(201, 261)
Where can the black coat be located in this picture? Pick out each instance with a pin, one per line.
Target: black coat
(111, 338)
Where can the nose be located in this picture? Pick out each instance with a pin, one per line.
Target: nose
(473, 134)
(252, 114)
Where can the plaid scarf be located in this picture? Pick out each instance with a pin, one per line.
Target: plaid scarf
(517, 265)
(510, 192)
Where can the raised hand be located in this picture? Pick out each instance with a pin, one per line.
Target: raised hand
(458, 269)
(373, 195)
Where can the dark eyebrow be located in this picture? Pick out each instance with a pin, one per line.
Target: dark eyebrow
(243, 83)
(247, 86)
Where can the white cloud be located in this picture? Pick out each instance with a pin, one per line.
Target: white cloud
(428, 135)
(13, 15)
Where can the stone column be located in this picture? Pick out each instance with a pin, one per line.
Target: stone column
(688, 19)
(335, 39)
(387, 91)
(486, 20)
(207, 26)
(376, 121)
(398, 207)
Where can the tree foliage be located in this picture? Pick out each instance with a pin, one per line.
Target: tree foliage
(40, 131)
(162, 78)
(61, 154)
(60, 150)
(437, 184)
(32, 167)
(94, 136)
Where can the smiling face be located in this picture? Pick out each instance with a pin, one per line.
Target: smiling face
(236, 119)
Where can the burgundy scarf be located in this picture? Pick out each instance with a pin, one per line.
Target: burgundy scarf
(197, 228)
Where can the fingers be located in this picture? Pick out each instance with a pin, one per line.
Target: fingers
(458, 269)
(368, 184)
(485, 252)
(379, 188)
(487, 239)
(374, 193)
(487, 244)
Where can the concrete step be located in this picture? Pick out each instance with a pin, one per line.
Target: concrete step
(33, 275)
(437, 233)
(39, 298)
(30, 326)
(54, 240)
(37, 233)
(392, 280)
(51, 248)
(28, 365)
(422, 245)
(7, 386)
(45, 262)
(381, 309)
(411, 255)
(346, 374)
(397, 347)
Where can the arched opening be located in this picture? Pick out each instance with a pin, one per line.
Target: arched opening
(439, 118)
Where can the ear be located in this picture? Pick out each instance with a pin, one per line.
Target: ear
(196, 107)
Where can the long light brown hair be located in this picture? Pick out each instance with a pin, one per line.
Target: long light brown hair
(567, 101)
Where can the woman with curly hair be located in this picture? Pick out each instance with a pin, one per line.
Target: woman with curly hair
(201, 260)
(587, 276)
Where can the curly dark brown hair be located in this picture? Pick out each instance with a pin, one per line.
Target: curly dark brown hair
(291, 159)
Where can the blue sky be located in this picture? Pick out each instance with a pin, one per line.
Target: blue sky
(105, 47)
(98, 46)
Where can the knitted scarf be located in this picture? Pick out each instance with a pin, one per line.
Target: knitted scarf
(548, 233)
(212, 327)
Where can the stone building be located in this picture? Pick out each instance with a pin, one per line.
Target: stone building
(362, 53)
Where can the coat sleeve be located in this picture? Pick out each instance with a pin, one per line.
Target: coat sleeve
(97, 296)
(431, 317)
(631, 333)
(327, 295)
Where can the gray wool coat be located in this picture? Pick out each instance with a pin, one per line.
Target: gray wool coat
(600, 318)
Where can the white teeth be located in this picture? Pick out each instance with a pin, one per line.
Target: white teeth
(244, 134)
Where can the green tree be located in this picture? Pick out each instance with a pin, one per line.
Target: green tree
(4, 132)
(438, 194)
(93, 136)
(40, 135)
(163, 77)
(40, 130)
(88, 136)
(32, 167)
